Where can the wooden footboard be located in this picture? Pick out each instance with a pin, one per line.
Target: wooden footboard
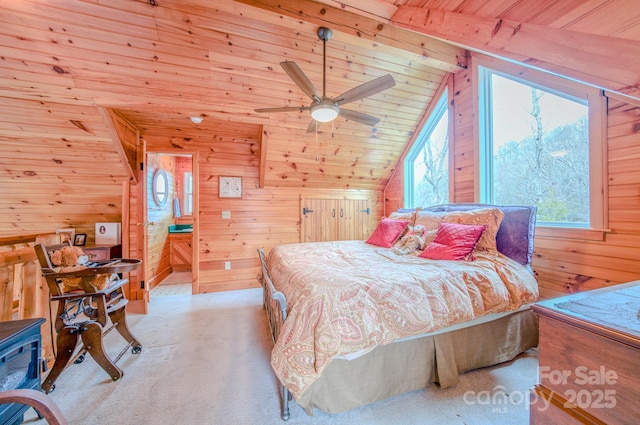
(275, 304)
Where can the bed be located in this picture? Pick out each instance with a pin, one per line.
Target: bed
(354, 322)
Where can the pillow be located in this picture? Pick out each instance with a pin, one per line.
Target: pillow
(515, 238)
(516, 235)
(404, 215)
(429, 219)
(387, 232)
(490, 217)
(454, 241)
(429, 236)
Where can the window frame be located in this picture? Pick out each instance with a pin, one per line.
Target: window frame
(435, 115)
(597, 112)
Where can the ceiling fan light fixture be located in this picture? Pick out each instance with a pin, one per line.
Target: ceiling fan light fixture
(324, 111)
(196, 119)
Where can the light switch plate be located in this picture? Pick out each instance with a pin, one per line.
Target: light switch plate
(227, 265)
(226, 215)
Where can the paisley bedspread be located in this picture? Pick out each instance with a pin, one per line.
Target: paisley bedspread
(347, 296)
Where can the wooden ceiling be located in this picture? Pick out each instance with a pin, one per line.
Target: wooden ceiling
(158, 62)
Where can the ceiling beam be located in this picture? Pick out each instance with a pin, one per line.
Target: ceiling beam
(118, 127)
(377, 9)
(434, 53)
(593, 59)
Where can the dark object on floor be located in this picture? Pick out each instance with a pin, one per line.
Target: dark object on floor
(20, 346)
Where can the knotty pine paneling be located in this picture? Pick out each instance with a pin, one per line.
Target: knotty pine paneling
(53, 181)
(564, 265)
(394, 193)
(160, 217)
(463, 137)
(157, 65)
(262, 218)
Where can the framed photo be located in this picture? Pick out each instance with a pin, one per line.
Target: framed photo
(230, 187)
(67, 235)
(80, 239)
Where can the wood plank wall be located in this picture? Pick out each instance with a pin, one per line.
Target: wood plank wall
(57, 182)
(563, 265)
(158, 254)
(262, 218)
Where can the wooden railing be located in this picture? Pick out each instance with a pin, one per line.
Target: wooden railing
(23, 291)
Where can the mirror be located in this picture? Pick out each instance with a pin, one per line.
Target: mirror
(159, 187)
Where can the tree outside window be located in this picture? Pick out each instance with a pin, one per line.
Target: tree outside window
(427, 164)
(535, 149)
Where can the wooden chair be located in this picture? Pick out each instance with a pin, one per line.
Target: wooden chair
(84, 314)
(45, 407)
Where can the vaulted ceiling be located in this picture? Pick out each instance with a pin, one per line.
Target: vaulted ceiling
(158, 62)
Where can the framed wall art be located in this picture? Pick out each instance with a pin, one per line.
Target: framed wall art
(80, 239)
(230, 187)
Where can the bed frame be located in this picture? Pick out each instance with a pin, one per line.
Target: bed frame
(275, 304)
(347, 384)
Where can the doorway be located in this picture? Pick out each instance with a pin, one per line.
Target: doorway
(171, 223)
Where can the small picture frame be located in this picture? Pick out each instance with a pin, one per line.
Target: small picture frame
(230, 187)
(80, 239)
(67, 235)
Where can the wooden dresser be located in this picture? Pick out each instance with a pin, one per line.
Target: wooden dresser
(589, 353)
(102, 252)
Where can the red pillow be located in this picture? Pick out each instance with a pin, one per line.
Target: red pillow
(454, 242)
(387, 232)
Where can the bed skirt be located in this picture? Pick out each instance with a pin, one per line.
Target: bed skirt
(396, 368)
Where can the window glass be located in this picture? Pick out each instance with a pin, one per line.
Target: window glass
(188, 193)
(427, 164)
(535, 149)
(159, 187)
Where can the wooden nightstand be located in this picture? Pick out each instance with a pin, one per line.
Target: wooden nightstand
(102, 252)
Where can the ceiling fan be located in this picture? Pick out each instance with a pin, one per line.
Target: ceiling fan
(323, 108)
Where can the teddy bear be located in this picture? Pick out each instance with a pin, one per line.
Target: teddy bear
(71, 259)
(412, 240)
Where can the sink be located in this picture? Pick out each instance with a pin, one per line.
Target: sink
(181, 228)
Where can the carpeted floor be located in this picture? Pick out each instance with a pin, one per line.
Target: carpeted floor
(205, 360)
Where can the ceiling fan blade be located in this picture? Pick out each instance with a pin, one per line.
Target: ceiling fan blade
(295, 73)
(358, 117)
(366, 89)
(283, 109)
(313, 126)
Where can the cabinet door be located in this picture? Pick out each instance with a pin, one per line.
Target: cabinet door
(334, 219)
(353, 219)
(319, 220)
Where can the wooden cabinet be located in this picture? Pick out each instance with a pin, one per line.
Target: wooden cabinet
(181, 253)
(102, 252)
(334, 219)
(589, 353)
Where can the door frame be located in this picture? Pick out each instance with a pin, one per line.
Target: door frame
(195, 284)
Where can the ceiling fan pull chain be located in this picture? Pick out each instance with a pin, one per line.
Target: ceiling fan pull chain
(324, 68)
(316, 141)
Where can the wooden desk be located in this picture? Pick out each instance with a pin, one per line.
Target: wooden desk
(589, 353)
(102, 252)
